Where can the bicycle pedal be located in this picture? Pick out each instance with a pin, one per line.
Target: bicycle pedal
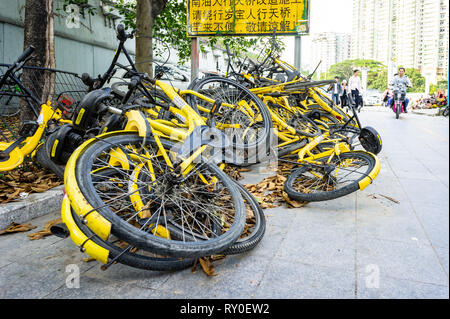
(28, 128)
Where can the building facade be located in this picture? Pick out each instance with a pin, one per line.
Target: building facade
(409, 33)
(330, 48)
(83, 42)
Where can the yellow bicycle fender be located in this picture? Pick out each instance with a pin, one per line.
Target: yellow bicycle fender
(96, 222)
(79, 238)
(118, 157)
(161, 231)
(33, 154)
(14, 160)
(135, 197)
(137, 122)
(366, 181)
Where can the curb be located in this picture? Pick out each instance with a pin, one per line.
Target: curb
(36, 205)
(426, 113)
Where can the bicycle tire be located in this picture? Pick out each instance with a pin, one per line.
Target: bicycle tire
(445, 112)
(142, 239)
(232, 88)
(318, 170)
(131, 259)
(289, 148)
(302, 124)
(247, 243)
(43, 157)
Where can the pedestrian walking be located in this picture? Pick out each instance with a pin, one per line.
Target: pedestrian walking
(336, 91)
(344, 94)
(354, 84)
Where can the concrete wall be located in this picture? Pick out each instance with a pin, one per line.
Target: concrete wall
(89, 48)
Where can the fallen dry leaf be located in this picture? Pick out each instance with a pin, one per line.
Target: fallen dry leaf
(270, 191)
(207, 266)
(46, 231)
(26, 178)
(15, 228)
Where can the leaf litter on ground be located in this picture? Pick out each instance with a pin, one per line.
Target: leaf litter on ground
(25, 179)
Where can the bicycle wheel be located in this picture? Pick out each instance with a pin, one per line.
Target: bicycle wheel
(115, 247)
(246, 115)
(302, 124)
(43, 157)
(203, 212)
(445, 112)
(342, 176)
(255, 226)
(287, 150)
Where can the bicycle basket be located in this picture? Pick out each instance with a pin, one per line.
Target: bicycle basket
(63, 89)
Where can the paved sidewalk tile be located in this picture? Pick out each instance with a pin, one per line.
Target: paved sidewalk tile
(393, 288)
(414, 261)
(288, 279)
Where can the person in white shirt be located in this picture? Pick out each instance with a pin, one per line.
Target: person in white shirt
(354, 84)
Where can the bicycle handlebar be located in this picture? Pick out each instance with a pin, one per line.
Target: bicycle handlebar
(122, 36)
(28, 51)
(87, 80)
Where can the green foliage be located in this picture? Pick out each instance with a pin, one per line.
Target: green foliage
(379, 82)
(170, 27)
(441, 85)
(127, 10)
(417, 80)
(376, 76)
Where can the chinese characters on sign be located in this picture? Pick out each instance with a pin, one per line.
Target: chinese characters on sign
(247, 17)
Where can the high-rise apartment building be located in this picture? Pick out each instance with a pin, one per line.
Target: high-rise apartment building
(409, 33)
(330, 48)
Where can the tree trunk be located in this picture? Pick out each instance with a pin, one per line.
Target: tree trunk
(146, 12)
(144, 26)
(39, 32)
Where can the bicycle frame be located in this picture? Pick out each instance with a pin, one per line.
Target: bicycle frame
(12, 154)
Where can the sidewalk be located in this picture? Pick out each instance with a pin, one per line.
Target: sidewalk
(429, 112)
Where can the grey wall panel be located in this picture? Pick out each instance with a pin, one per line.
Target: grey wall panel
(89, 48)
(1, 42)
(12, 42)
(102, 59)
(73, 56)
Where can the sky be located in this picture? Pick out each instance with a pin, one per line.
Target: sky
(326, 16)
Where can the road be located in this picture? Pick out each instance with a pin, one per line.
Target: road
(361, 246)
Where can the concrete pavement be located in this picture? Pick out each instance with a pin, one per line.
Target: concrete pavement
(360, 246)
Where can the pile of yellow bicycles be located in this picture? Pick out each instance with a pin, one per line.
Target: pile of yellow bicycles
(143, 163)
(318, 138)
